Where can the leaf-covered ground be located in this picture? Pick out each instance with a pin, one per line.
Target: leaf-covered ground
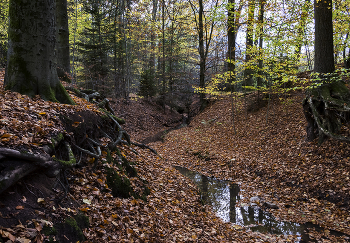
(308, 183)
(172, 212)
(272, 160)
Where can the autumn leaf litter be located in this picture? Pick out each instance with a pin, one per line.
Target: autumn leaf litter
(172, 213)
(272, 160)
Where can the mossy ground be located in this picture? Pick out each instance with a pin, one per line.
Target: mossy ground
(71, 227)
(71, 230)
(119, 182)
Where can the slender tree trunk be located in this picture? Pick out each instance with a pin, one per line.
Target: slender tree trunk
(324, 50)
(163, 49)
(74, 42)
(301, 28)
(249, 43)
(346, 59)
(202, 62)
(62, 46)
(31, 60)
(153, 37)
(231, 36)
(171, 62)
(261, 38)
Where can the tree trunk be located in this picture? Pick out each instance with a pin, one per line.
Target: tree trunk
(326, 106)
(62, 46)
(301, 28)
(324, 53)
(249, 43)
(261, 35)
(153, 37)
(201, 55)
(31, 61)
(231, 39)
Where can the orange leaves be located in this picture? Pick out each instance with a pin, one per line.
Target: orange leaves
(6, 137)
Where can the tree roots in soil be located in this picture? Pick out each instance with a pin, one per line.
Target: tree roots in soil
(327, 111)
(87, 134)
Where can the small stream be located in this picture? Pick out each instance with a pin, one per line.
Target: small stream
(223, 197)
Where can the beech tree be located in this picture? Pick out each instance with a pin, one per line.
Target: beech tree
(62, 45)
(31, 68)
(324, 49)
(327, 104)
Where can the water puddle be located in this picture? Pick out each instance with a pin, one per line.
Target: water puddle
(223, 197)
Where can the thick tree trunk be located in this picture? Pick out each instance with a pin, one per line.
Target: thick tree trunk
(62, 46)
(326, 107)
(31, 61)
(324, 50)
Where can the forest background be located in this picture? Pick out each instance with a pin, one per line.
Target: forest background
(152, 48)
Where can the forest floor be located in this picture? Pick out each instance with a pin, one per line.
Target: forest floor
(270, 159)
(308, 183)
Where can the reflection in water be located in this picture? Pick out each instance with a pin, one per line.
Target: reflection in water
(223, 196)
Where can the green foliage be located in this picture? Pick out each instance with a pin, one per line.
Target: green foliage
(147, 84)
(319, 79)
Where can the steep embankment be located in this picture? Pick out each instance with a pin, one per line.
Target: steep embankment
(309, 183)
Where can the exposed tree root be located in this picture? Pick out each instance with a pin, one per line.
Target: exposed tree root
(88, 138)
(141, 145)
(327, 109)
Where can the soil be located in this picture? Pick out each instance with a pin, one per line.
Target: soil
(19, 203)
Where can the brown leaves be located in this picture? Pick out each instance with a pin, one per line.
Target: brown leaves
(32, 121)
(271, 160)
(23, 234)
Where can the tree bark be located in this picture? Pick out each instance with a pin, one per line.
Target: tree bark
(31, 60)
(62, 46)
(324, 50)
(153, 36)
(261, 39)
(201, 55)
(249, 43)
(231, 39)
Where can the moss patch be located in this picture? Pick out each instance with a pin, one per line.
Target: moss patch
(121, 121)
(71, 230)
(120, 185)
(47, 230)
(82, 220)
